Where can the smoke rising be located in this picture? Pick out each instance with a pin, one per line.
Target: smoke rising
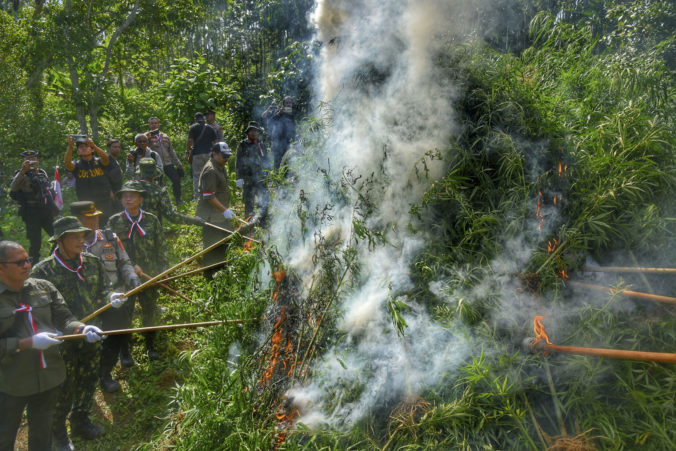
(389, 107)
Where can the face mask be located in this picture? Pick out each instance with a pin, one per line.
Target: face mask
(287, 109)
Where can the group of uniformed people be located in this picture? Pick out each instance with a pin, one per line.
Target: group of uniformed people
(91, 265)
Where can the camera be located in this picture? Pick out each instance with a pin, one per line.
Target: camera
(79, 138)
(33, 164)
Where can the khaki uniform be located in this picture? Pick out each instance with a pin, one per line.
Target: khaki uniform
(30, 377)
(213, 182)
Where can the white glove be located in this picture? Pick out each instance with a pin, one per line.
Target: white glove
(240, 183)
(117, 300)
(228, 214)
(93, 334)
(44, 340)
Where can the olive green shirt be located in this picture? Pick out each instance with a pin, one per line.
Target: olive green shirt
(213, 182)
(20, 371)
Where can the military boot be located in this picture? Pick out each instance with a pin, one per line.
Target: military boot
(61, 441)
(83, 427)
(108, 384)
(153, 354)
(126, 360)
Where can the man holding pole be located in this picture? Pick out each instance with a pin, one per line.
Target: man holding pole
(31, 366)
(142, 237)
(214, 202)
(121, 276)
(80, 278)
(156, 200)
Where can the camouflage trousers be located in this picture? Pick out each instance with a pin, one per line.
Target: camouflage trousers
(77, 392)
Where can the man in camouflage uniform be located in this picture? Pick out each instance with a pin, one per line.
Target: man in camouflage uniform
(214, 203)
(252, 165)
(80, 278)
(30, 188)
(143, 239)
(156, 200)
(31, 366)
(121, 276)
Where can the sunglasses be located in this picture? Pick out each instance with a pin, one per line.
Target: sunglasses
(23, 262)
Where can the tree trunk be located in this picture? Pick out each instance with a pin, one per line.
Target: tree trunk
(94, 118)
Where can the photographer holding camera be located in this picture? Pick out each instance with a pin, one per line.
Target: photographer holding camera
(91, 180)
(30, 187)
(142, 150)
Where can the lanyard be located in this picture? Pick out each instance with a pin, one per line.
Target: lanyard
(88, 246)
(136, 224)
(65, 265)
(28, 309)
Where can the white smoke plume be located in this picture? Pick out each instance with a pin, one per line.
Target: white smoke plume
(390, 107)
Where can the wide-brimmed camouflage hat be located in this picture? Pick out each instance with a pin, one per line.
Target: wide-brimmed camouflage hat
(131, 187)
(67, 224)
(84, 208)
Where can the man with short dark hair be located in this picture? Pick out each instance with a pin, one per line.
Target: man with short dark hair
(30, 188)
(114, 171)
(160, 143)
(211, 120)
(201, 137)
(31, 366)
(91, 181)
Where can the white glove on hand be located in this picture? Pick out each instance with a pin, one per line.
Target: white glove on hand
(93, 334)
(240, 183)
(228, 214)
(117, 300)
(44, 340)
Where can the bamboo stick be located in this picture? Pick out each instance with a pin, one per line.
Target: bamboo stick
(158, 328)
(634, 294)
(194, 271)
(214, 226)
(660, 357)
(629, 269)
(168, 288)
(152, 281)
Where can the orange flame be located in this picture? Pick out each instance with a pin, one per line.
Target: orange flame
(539, 329)
(560, 169)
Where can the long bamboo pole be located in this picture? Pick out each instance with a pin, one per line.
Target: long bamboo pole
(222, 229)
(634, 294)
(629, 269)
(158, 328)
(660, 357)
(152, 281)
(194, 271)
(168, 288)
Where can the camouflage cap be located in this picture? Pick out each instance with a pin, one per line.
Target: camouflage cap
(131, 187)
(147, 167)
(84, 208)
(67, 224)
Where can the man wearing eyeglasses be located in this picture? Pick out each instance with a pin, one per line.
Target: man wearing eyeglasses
(31, 366)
